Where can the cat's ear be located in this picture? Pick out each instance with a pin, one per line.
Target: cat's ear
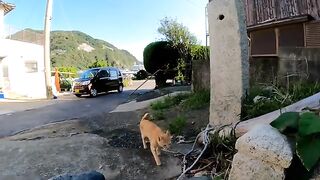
(159, 138)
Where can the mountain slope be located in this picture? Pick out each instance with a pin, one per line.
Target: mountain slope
(77, 49)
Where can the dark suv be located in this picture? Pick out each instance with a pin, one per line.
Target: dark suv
(93, 81)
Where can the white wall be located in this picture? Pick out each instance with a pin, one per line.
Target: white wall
(28, 85)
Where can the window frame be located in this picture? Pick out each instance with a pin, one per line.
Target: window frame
(115, 73)
(31, 66)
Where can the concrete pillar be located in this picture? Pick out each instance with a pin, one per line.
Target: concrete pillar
(229, 62)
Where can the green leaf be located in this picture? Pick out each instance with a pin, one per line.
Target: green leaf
(308, 150)
(286, 121)
(309, 124)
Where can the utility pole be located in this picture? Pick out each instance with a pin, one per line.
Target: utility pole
(47, 62)
(206, 24)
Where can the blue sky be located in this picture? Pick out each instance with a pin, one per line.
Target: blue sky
(127, 24)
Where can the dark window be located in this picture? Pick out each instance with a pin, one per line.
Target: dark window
(263, 42)
(113, 73)
(31, 66)
(291, 36)
(313, 34)
(103, 73)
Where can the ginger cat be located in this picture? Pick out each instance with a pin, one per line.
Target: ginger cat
(158, 139)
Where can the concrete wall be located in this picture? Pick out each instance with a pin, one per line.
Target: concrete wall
(200, 75)
(298, 63)
(20, 83)
(305, 60)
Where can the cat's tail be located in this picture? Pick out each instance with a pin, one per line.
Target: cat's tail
(145, 116)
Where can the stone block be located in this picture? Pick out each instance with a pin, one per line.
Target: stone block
(266, 143)
(245, 167)
(263, 153)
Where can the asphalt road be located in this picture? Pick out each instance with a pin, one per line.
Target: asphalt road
(27, 115)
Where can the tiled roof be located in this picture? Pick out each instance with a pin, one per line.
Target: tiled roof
(7, 6)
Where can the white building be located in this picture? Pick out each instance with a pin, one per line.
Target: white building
(21, 65)
(137, 67)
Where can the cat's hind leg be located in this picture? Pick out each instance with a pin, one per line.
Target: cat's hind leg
(143, 141)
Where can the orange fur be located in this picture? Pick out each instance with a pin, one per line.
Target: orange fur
(158, 139)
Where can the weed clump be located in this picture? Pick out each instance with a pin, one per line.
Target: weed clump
(177, 125)
(197, 100)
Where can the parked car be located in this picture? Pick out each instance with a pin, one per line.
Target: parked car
(96, 80)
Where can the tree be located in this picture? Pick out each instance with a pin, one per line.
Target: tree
(99, 63)
(182, 40)
(162, 58)
(199, 52)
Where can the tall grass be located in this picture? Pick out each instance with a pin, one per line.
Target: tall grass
(197, 100)
(169, 101)
(177, 125)
(275, 98)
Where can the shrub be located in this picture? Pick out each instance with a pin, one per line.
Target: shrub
(200, 52)
(161, 55)
(127, 82)
(177, 125)
(65, 84)
(99, 63)
(72, 71)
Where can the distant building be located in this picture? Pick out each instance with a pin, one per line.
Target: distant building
(137, 67)
(21, 65)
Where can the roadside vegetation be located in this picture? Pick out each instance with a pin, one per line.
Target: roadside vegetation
(267, 98)
(175, 110)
